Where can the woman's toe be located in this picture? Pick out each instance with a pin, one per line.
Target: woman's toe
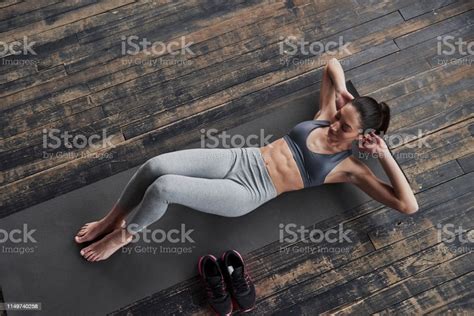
(85, 250)
(90, 255)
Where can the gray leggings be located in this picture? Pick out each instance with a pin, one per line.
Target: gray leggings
(226, 182)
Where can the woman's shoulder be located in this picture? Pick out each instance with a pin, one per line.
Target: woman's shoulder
(319, 122)
(352, 166)
(325, 114)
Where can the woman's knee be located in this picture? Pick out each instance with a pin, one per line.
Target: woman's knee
(155, 166)
(163, 187)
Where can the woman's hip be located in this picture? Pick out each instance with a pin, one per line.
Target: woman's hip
(250, 171)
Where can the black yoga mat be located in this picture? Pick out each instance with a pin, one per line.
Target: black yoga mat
(54, 274)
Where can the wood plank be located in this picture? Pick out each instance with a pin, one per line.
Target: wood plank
(209, 52)
(80, 77)
(438, 271)
(43, 110)
(7, 3)
(44, 39)
(467, 163)
(42, 189)
(428, 158)
(438, 175)
(170, 30)
(368, 74)
(156, 79)
(20, 66)
(459, 306)
(116, 22)
(22, 7)
(423, 6)
(21, 114)
(409, 85)
(436, 297)
(398, 229)
(444, 55)
(391, 283)
(285, 18)
(438, 89)
(30, 159)
(458, 112)
(239, 36)
(70, 11)
(18, 85)
(10, 70)
(9, 27)
(415, 134)
(205, 11)
(444, 27)
(431, 143)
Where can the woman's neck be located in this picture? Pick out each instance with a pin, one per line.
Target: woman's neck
(336, 146)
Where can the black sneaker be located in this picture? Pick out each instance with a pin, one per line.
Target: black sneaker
(216, 289)
(240, 284)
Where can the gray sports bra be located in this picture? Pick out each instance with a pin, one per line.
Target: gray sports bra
(313, 167)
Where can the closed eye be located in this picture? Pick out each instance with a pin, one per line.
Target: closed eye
(345, 127)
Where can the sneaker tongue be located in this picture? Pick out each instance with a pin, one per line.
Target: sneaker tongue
(240, 283)
(237, 272)
(214, 279)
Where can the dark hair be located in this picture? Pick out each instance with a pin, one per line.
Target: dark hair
(373, 115)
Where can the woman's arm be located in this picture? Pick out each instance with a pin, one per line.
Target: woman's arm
(400, 185)
(399, 194)
(333, 94)
(336, 73)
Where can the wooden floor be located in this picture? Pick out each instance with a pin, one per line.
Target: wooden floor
(79, 81)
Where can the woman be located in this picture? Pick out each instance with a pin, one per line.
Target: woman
(233, 182)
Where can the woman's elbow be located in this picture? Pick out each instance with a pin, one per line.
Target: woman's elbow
(409, 208)
(331, 62)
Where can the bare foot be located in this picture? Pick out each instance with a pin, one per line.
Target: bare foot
(91, 231)
(104, 248)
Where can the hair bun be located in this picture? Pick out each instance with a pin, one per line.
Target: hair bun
(372, 114)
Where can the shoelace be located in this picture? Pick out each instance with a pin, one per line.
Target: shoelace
(216, 290)
(241, 283)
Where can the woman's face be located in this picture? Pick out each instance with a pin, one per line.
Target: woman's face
(345, 125)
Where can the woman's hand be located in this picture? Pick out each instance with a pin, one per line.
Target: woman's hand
(373, 145)
(343, 97)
